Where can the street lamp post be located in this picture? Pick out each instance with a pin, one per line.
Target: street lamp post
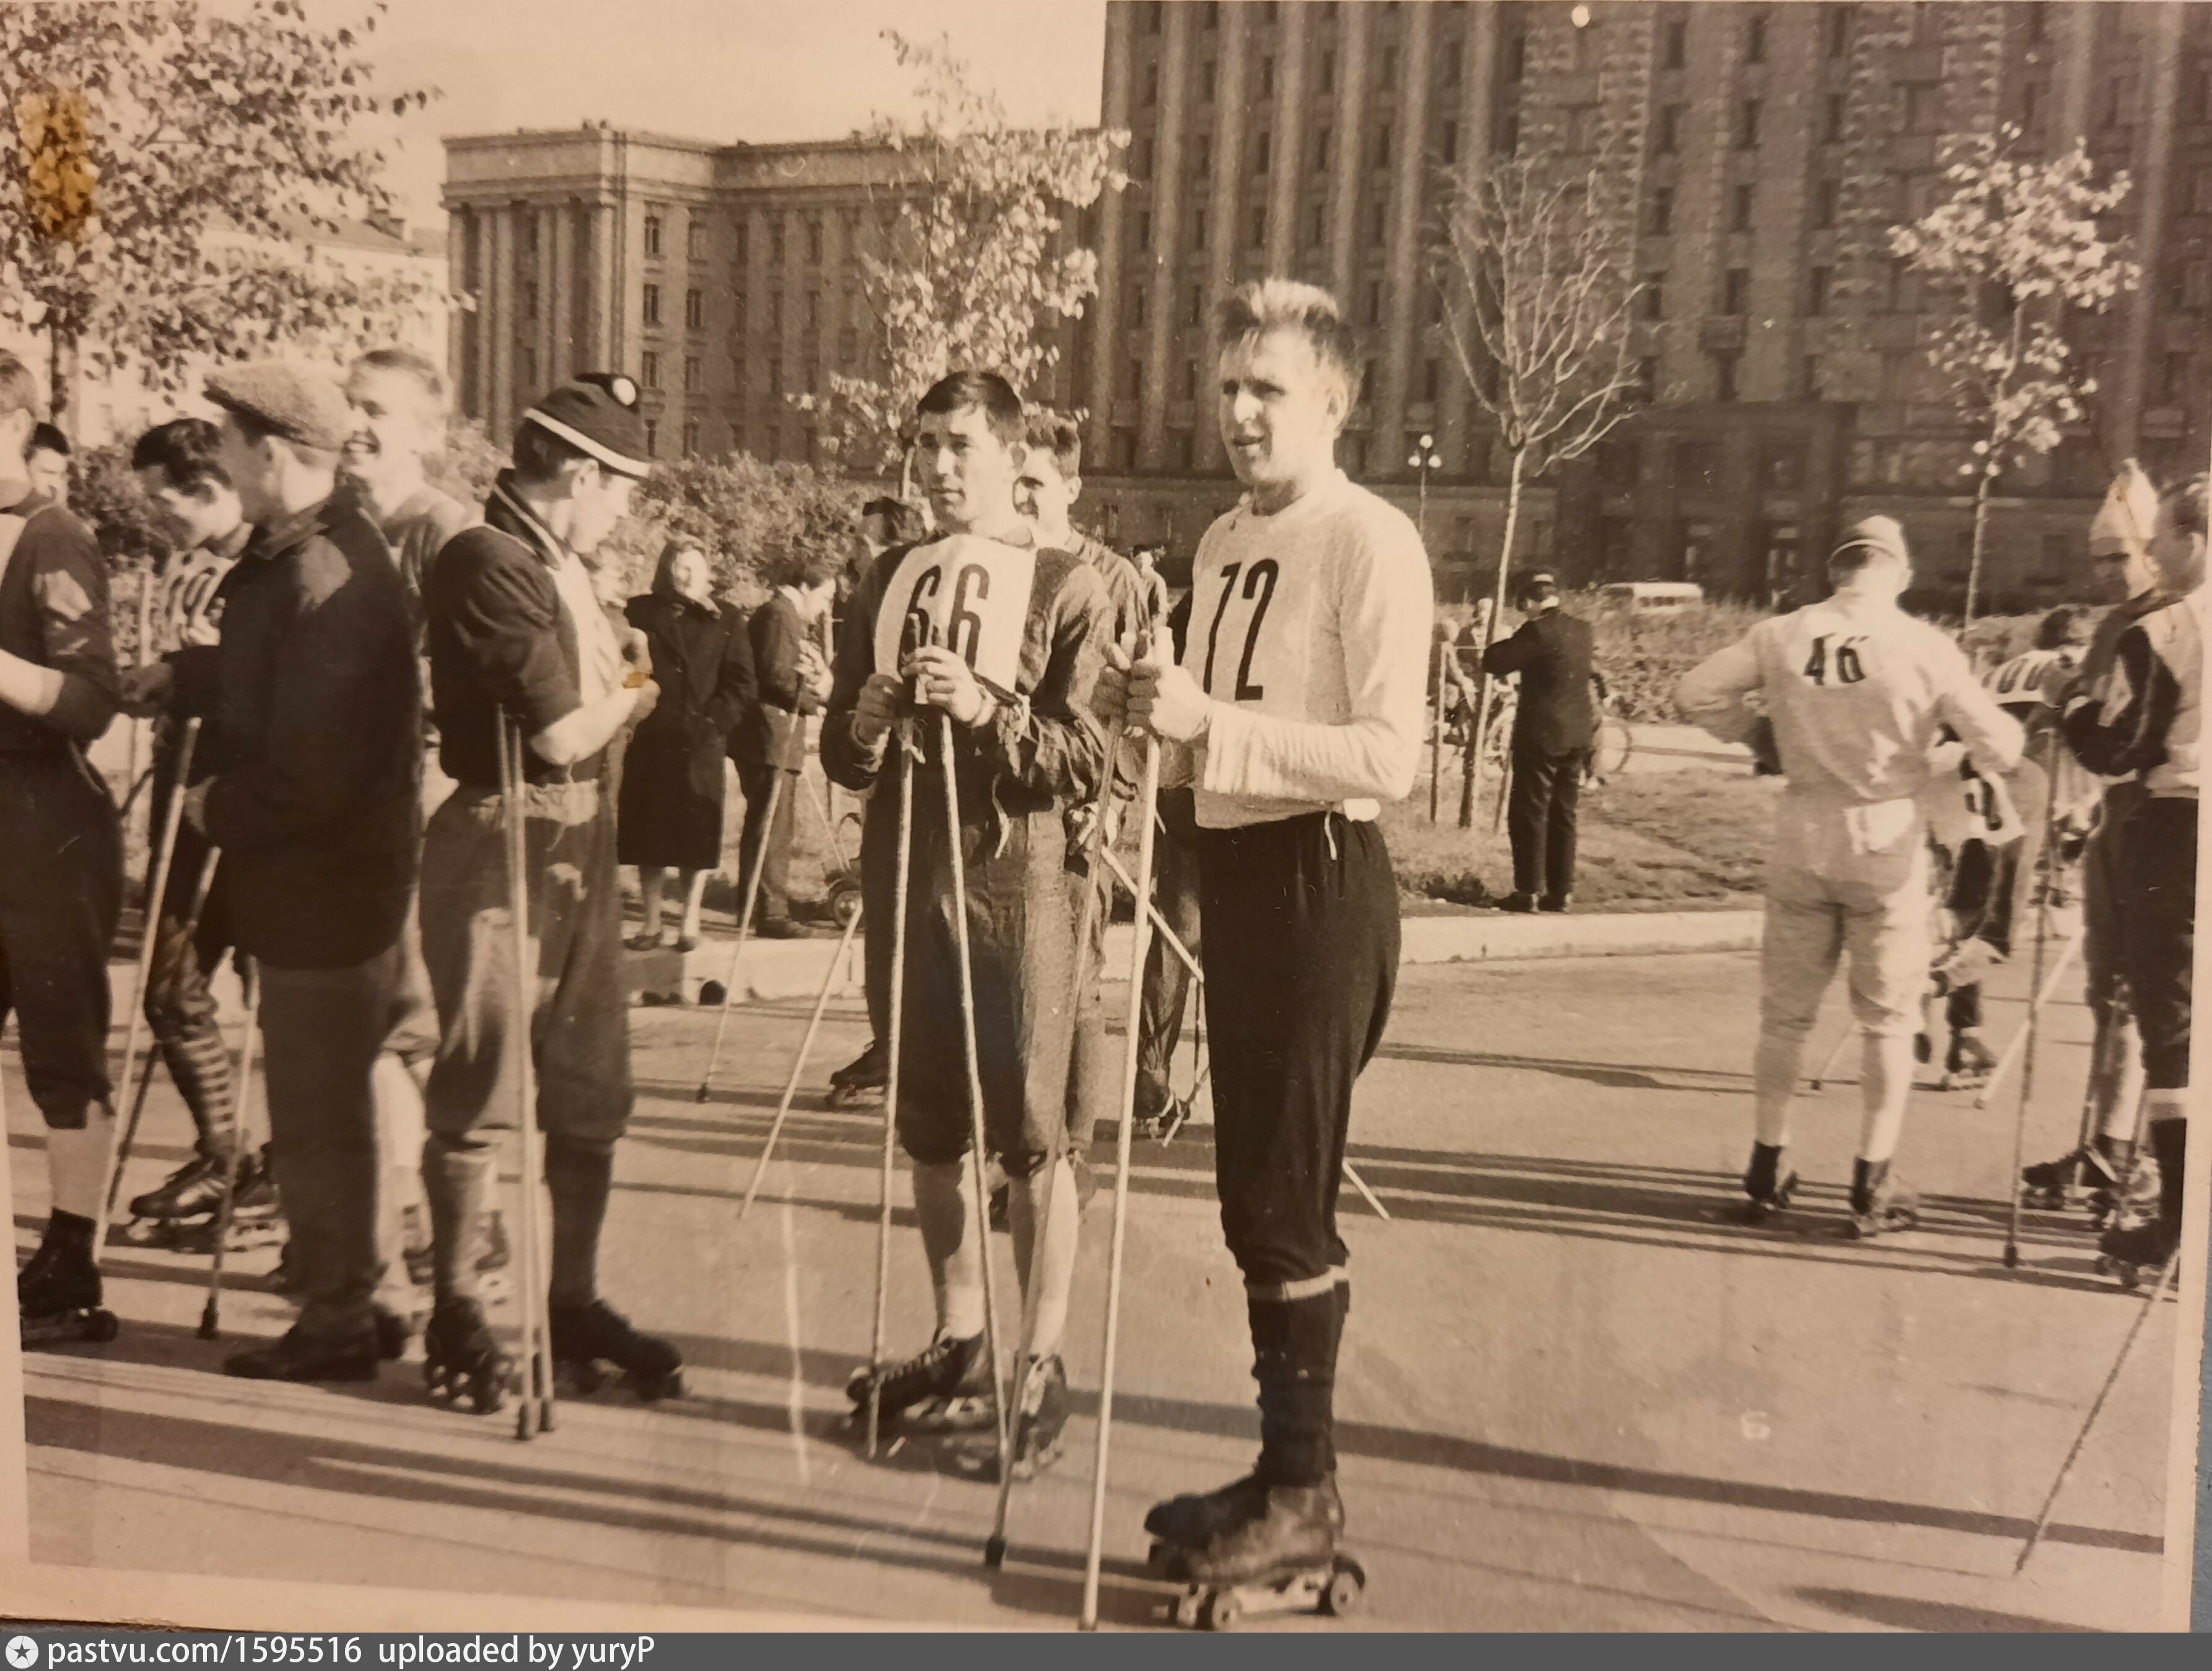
(1422, 461)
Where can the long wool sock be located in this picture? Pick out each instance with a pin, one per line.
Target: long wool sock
(578, 1178)
(456, 1178)
(1294, 1346)
(77, 1161)
(1051, 1277)
(1886, 1080)
(944, 1203)
(1774, 1069)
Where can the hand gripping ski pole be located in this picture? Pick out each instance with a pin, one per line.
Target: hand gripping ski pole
(2031, 1030)
(745, 918)
(799, 1064)
(241, 1106)
(2050, 1503)
(1148, 795)
(534, 1414)
(1086, 922)
(977, 1135)
(157, 881)
(902, 762)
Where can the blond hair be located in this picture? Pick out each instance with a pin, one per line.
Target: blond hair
(1263, 305)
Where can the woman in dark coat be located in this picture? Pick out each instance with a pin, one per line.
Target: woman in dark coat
(671, 810)
(788, 633)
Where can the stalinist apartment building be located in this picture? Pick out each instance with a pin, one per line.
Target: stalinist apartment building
(1763, 152)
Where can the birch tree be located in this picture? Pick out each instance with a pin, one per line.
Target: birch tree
(2020, 237)
(1535, 273)
(158, 159)
(975, 273)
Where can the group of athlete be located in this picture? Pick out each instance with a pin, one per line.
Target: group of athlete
(1006, 693)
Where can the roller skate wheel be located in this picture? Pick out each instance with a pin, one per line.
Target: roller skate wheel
(1345, 1590)
(1220, 1610)
(488, 1393)
(845, 903)
(2130, 1276)
(99, 1327)
(652, 1390)
(1186, 1610)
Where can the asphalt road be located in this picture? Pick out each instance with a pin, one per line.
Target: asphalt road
(1574, 1395)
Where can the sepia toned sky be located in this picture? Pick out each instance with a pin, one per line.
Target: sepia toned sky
(726, 70)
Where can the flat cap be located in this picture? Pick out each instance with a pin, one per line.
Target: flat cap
(1882, 535)
(294, 401)
(596, 413)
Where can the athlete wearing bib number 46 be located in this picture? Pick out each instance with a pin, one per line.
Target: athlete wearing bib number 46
(1297, 708)
(1857, 691)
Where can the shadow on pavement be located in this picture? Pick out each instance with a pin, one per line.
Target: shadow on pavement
(1905, 1613)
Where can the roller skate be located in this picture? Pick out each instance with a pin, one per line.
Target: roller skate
(1879, 1207)
(2130, 1251)
(58, 1291)
(189, 1206)
(1162, 1124)
(1040, 1420)
(1968, 1064)
(1765, 1183)
(861, 1080)
(2134, 1200)
(2100, 1175)
(945, 1387)
(193, 1191)
(296, 1356)
(461, 1359)
(584, 1336)
(1270, 1549)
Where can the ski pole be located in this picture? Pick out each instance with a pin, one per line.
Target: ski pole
(1086, 922)
(157, 882)
(745, 922)
(189, 931)
(2011, 1057)
(211, 1313)
(904, 763)
(978, 1136)
(1850, 1031)
(799, 1064)
(2029, 1033)
(1148, 794)
(535, 1413)
(2050, 1502)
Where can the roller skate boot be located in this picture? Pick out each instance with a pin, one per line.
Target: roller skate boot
(943, 1385)
(394, 1330)
(1190, 1521)
(1968, 1064)
(297, 1356)
(2132, 1200)
(2131, 1252)
(1041, 1419)
(1162, 1124)
(192, 1191)
(1766, 1184)
(58, 1290)
(462, 1358)
(863, 1079)
(1275, 1551)
(587, 1334)
(1879, 1207)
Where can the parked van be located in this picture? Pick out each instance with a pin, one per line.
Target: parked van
(1652, 597)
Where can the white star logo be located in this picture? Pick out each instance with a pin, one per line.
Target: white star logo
(22, 1652)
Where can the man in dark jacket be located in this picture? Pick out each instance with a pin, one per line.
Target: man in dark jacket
(61, 853)
(1555, 728)
(315, 704)
(791, 663)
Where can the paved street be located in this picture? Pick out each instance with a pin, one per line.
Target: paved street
(1573, 1395)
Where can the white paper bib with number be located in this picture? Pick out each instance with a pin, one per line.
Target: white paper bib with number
(968, 594)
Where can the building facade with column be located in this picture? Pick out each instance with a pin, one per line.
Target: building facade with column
(1764, 152)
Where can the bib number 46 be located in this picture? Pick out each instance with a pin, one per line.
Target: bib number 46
(1844, 665)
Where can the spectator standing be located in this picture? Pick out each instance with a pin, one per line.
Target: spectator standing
(1554, 727)
(794, 682)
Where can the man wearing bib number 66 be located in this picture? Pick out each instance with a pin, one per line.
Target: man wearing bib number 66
(1012, 639)
(1299, 707)
(1858, 692)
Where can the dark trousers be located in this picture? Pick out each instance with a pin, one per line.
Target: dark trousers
(1539, 817)
(2158, 918)
(1091, 1086)
(61, 891)
(1300, 926)
(1986, 887)
(766, 843)
(1167, 980)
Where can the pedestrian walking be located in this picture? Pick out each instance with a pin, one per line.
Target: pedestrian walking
(316, 739)
(1295, 711)
(61, 861)
(1857, 692)
(1555, 728)
(673, 781)
(516, 633)
(789, 649)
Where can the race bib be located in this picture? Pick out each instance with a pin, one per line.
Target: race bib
(967, 594)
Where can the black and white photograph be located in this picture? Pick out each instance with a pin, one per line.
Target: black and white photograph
(778, 780)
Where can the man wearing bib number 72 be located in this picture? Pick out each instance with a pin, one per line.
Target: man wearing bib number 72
(1857, 691)
(1012, 639)
(1297, 708)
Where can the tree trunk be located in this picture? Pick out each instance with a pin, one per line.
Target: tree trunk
(1982, 488)
(61, 372)
(1477, 733)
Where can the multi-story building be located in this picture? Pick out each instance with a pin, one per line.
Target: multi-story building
(1764, 152)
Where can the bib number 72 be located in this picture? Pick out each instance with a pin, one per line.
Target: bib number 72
(1844, 664)
(1259, 591)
